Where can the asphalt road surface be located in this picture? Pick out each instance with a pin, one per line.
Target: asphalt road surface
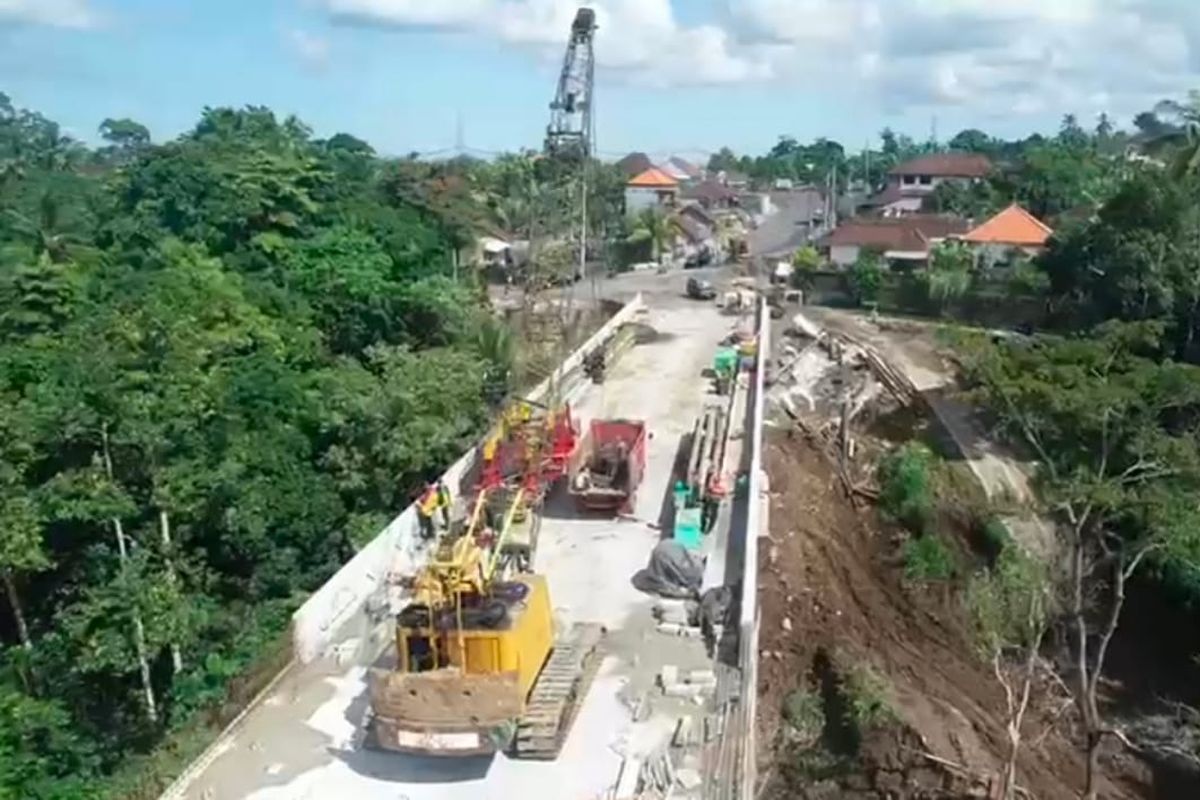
(787, 229)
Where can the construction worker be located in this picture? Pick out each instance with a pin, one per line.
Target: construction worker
(443, 500)
(427, 505)
(714, 493)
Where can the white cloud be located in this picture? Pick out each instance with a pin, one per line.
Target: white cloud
(1008, 57)
(310, 48)
(642, 39)
(435, 13)
(56, 13)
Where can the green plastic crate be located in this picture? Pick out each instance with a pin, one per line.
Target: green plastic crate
(687, 528)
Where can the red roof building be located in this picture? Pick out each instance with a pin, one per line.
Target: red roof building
(945, 165)
(911, 182)
(650, 189)
(1013, 227)
(905, 238)
(653, 178)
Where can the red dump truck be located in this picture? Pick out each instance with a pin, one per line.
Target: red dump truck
(607, 466)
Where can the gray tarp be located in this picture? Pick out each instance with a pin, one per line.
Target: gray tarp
(673, 571)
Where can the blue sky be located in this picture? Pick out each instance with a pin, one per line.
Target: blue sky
(682, 76)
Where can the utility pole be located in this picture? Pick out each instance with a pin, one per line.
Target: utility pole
(833, 189)
(867, 164)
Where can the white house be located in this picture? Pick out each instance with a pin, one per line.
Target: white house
(652, 188)
(911, 182)
(1014, 232)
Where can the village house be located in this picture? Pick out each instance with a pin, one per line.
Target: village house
(911, 182)
(738, 181)
(1012, 234)
(651, 188)
(682, 170)
(710, 195)
(903, 241)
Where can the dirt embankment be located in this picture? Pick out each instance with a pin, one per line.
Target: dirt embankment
(833, 600)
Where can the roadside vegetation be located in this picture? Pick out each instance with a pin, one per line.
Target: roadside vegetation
(225, 361)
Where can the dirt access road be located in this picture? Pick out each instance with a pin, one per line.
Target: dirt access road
(302, 742)
(911, 348)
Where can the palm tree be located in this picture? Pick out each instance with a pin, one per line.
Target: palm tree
(1181, 134)
(498, 348)
(44, 234)
(656, 226)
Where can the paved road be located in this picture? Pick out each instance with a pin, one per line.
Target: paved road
(665, 290)
(787, 229)
(301, 742)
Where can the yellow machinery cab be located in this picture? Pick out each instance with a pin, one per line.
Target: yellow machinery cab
(464, 670)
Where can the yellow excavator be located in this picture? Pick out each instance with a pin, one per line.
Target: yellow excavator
(477, 667)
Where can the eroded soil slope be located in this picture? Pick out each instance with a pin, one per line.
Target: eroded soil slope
(833, 599)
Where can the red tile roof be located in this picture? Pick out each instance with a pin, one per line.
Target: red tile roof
(1014, 225)
(910, 234)
(946, 165)
(653, 178)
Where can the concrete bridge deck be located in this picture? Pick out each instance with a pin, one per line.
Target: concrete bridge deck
(302, 740)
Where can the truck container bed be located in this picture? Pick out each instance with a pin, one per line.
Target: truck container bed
(606, 468)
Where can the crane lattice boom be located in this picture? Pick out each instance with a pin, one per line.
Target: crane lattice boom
(569, 132)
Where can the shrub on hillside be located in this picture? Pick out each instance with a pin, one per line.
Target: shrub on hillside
(927, 560)
(906, 486)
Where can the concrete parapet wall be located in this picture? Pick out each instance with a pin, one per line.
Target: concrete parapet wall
(756, 521)
(348, 605)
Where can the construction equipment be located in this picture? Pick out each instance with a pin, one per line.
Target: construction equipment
(607, 466)
(477, 668)
(525, 455)
(570, 130)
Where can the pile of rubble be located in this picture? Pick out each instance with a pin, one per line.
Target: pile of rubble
(677, 766)
(825, 381)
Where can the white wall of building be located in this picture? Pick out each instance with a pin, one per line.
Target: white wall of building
(844, 254)
(638, 199)
(991, 254)
(905, 205)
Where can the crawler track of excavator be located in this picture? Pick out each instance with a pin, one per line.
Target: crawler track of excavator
(560, 689)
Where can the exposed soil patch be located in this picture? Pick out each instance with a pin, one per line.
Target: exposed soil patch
(831, 589)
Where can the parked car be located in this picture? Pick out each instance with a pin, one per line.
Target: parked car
(700, 289)
(697, 260)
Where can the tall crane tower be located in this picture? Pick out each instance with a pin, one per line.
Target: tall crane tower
(570, 134)
(570, 130)
(568, 155)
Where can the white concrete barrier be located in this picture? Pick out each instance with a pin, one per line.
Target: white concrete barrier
(755, 527)
(339, 607)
